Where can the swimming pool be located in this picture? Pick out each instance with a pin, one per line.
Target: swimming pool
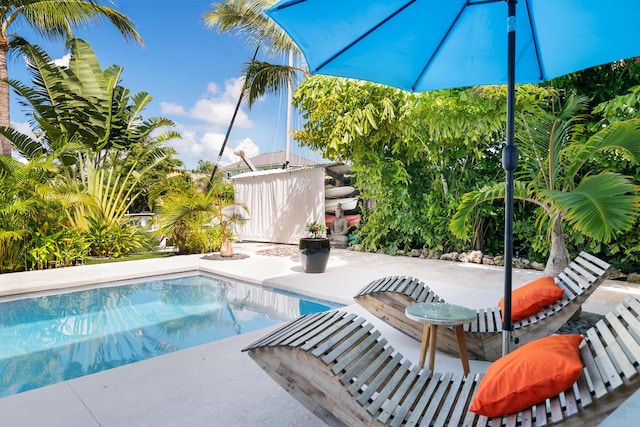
(52, 338)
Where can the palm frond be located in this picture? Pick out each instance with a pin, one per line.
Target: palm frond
(263, 78)
(246, 18)
(600, 206)
(55, 19)
(621, 137)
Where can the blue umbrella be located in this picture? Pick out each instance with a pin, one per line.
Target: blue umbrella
(420, 45)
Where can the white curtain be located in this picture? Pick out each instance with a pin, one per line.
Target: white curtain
(281, 203)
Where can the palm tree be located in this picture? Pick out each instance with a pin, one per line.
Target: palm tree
(247, 18)
(52, 20)
(557, 175)
(214, 206)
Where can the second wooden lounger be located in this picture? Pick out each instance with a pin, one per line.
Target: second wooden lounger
(388, 297)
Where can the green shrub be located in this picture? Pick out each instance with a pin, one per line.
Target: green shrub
(108, 241)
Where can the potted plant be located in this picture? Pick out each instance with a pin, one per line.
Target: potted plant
(314, 250)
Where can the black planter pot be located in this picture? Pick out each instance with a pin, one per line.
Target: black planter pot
(314, 254)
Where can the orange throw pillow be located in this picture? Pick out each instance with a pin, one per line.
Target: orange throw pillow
(532, 297)
(529, 375)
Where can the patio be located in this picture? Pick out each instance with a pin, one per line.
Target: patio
(216, 384)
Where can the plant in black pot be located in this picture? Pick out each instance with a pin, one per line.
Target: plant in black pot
(314, 250)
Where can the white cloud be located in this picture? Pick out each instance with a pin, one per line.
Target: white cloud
(248, 146)
(212, 88)
(219, 113)
(209, 118)
(201, 144)
(215, 107)
(169, 108)
(64, 61)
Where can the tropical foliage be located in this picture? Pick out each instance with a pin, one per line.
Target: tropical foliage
(423, 159)
(89, 150)
(414, 155)
(559, 173)
(201, 221)
(52, 20)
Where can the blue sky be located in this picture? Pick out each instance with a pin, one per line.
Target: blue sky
(191, 72)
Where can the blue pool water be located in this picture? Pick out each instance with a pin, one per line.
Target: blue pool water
(48, 339)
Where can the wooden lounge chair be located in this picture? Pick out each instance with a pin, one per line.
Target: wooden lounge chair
(388, 297)
(342, 370)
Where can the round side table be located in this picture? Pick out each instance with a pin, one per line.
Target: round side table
(433, 315)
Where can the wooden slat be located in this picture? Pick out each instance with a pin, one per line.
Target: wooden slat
(608, 372)
(389, 407)
(599, 387)
(616, 353)
(461, 408)
(363, 378)
(417, 391)
(510, 420)
(555, 409)
(410, 287)
(323, 341)
(347, 337)
(363, 362)
(633, 324)
(441, 409)
(314, 328)
(584, 391)
(596, 261)
(541, 414)
(526, 418)
(569, 291)
(584, 269)
(571, 402)
(374, 286)
(405, 283)
(392, 284)
(381, 378)
(596, 265)
(356, 352)
(427, 409)
(391, 385)
(482, 322)
(287, 330)
(416, 292)
(632, 303)
(497, 318)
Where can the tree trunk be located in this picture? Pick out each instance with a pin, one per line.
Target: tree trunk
(226, 249)
(5, 118)
(559, 257)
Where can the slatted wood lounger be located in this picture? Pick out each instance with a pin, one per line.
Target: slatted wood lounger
(388, 297)
(342, 370)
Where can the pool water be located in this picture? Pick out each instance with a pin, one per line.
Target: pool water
(48, 339)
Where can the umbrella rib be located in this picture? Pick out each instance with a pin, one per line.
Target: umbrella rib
(356, 41)
(534, 38)
(289, 3)
(437, 49)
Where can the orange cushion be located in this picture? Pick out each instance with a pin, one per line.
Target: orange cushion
(529, 375)
(532, 297)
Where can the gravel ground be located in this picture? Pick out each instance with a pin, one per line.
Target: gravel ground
(581, 325)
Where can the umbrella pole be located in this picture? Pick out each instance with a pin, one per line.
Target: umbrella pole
(509, 164)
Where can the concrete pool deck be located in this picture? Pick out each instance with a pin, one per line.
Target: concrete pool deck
(217, 385)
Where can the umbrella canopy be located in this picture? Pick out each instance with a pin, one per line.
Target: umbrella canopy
(420, 45)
